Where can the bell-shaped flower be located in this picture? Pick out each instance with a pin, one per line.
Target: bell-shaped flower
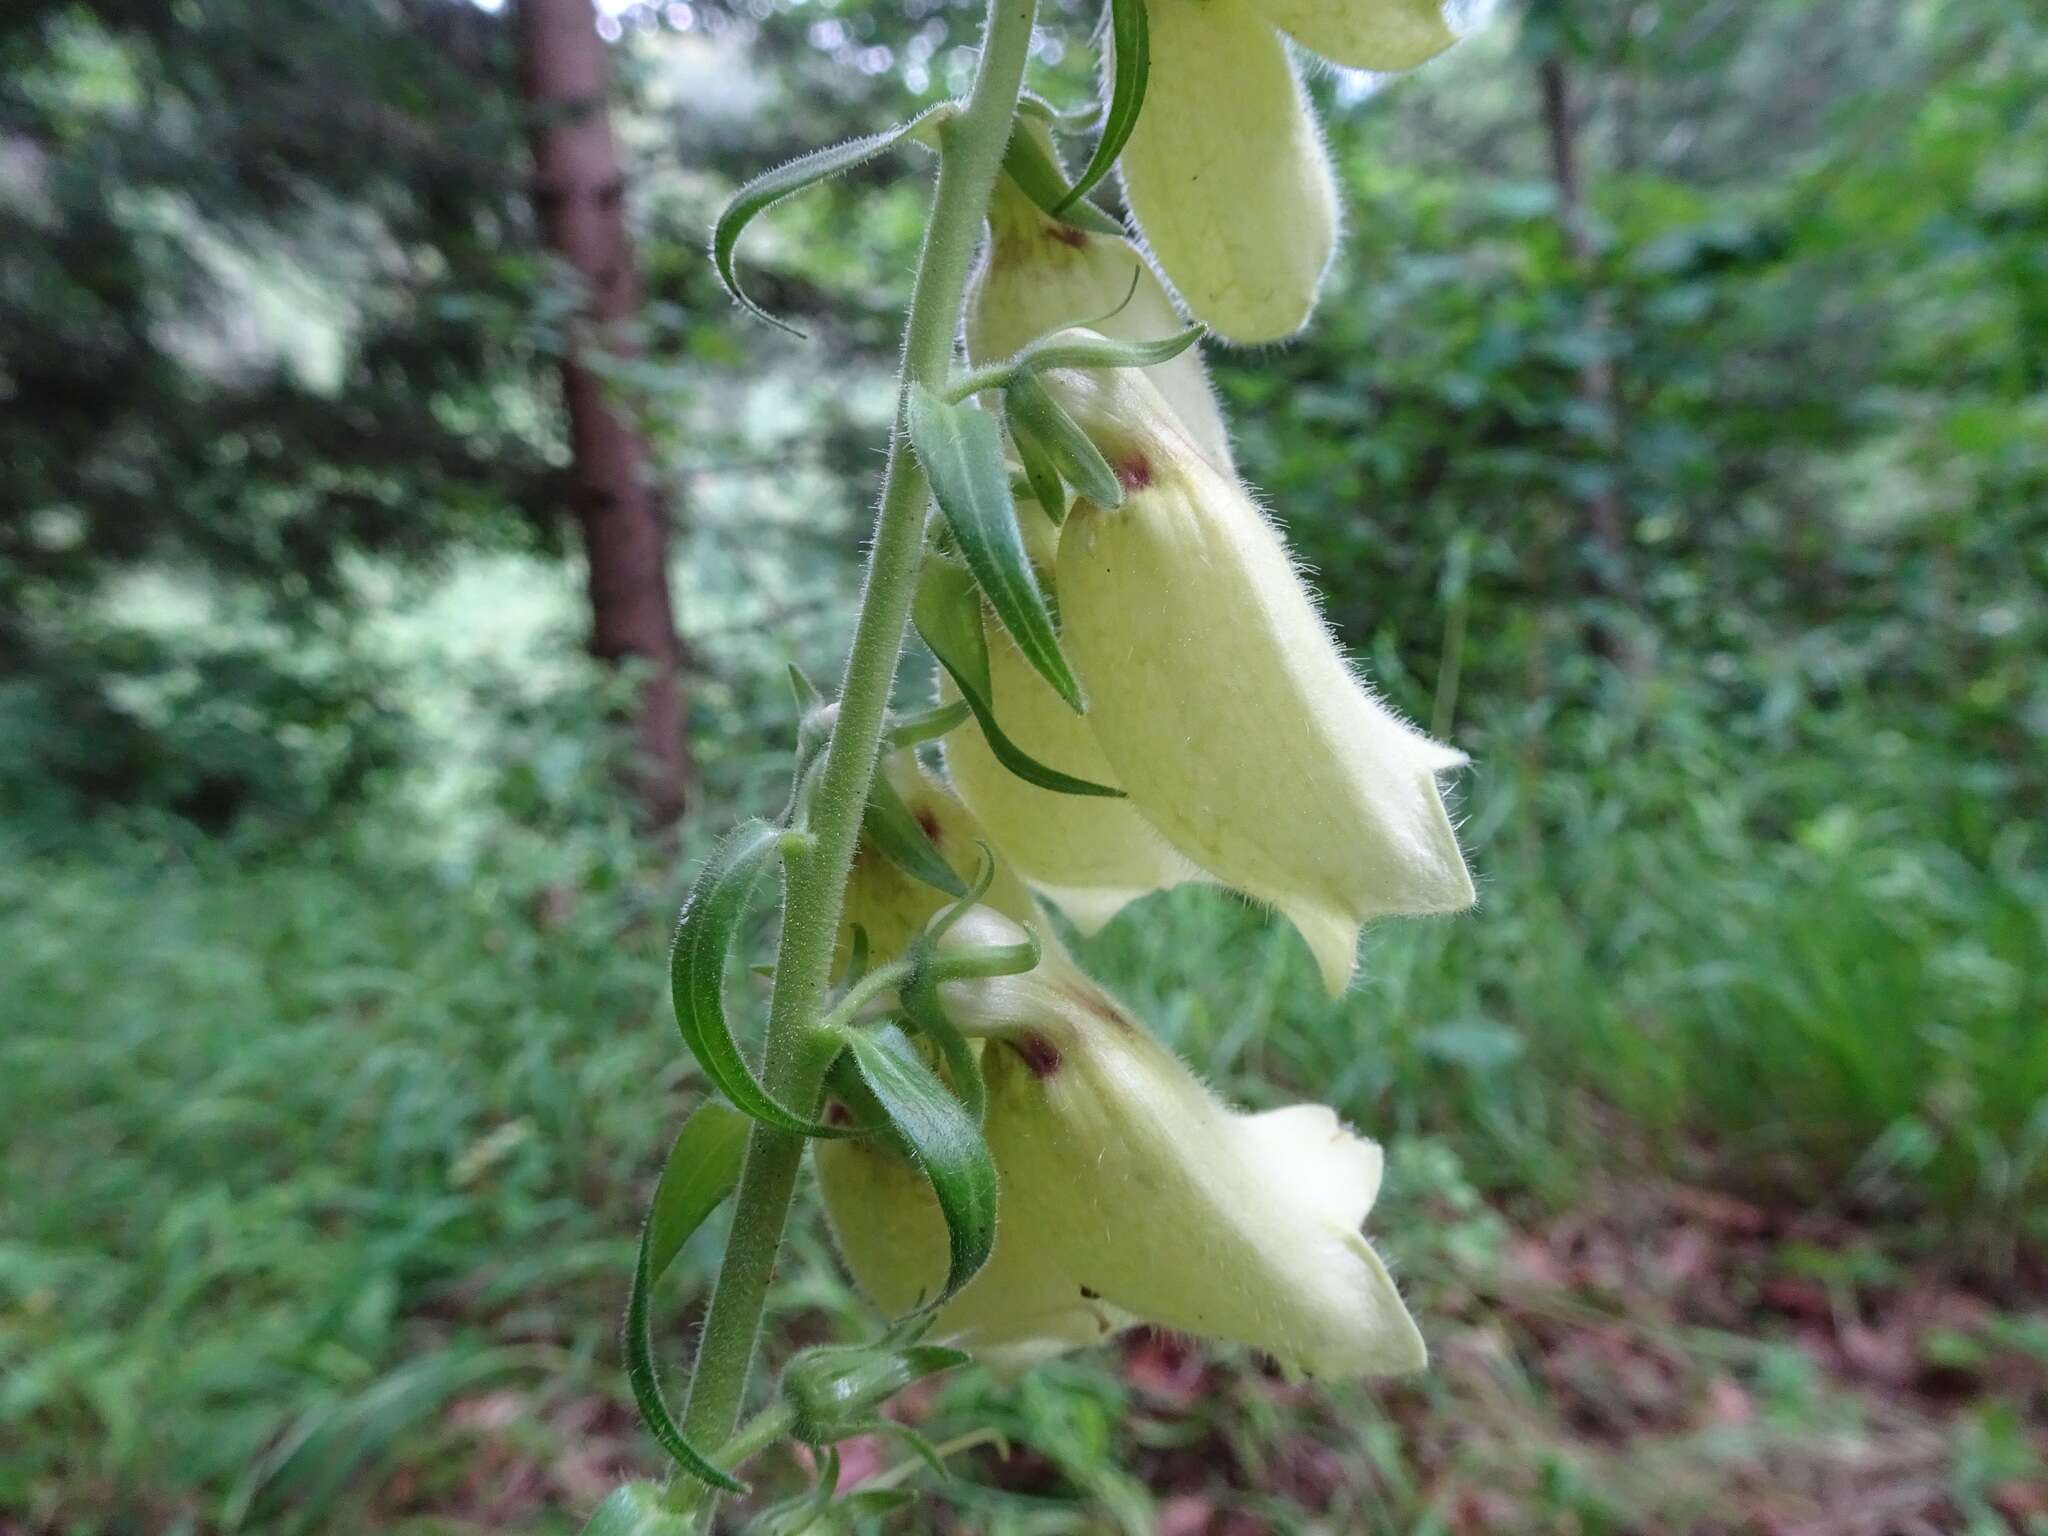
(1038, 275)
(1088, 854)
(1225, 170)
(1221, 703)
(1129, 1193)
(891, 904)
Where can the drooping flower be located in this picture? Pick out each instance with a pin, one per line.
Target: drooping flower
(1130, 1193)
(1089, 855)
(1220, 702)
(1225, 170)
(1039, 275)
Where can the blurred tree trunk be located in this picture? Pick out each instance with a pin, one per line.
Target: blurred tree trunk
(1606, 516)
(579, 196)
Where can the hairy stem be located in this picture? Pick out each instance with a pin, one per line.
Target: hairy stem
(796, 1056)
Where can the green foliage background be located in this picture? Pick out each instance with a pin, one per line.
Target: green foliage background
(333, 1065)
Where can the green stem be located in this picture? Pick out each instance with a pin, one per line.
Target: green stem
(796, 1057)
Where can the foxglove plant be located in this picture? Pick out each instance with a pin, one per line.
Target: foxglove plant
(1136, 691)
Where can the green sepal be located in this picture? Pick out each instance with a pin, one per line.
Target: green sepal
(921, 1008)
(797, 1515)
(704, 937)
(961, 448)
(771, 187)
(835, 1390)
(920, 1447)
(925, 725)
(636, 1509)
(1040, 473)
(944, 1140)
(1031, 410)
(888, 824)
(1131, 44)
(702, 1169)
(1104, 351)
(948, 617)
(1038, 177)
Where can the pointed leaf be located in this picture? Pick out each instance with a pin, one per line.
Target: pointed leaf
(948, 616)
(704, 937)
(1040, 474)
(701, 1171)
(888, 824)
(1130, 42)
(922, 1009)
(1105, 352)
(961, 449)
(1030, 409)
(946, 1143)
(1039, 178)
(771, 187)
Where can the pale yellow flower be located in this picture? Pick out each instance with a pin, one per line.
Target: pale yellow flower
(1130, 1193)
(892, 905)
(1225, 170)
(1039, 275)
(1089, 855)
(1219, 702)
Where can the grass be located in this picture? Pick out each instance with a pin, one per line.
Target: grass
(324, 1163)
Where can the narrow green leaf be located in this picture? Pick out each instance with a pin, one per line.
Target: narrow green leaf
(704, 937)
(921, 1007)
(961, 448)
(771, 187)
(1038, 177)
(1040, 473)
(1105, 352)
(701, 1171)
(946, 1142)
(948, 616)
(1030, 409)
(1131, 43)
(888, 824)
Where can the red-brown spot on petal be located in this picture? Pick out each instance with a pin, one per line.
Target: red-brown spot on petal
(929, 822)
(837, 1113)
(1134, 471)
(1066, 234)
(1038, 1053)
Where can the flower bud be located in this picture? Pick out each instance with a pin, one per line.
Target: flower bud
(1090, 855)
(1226, 173)
(894, 906)
(1130, 1193)
(1221, 703)
(1039, 274)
